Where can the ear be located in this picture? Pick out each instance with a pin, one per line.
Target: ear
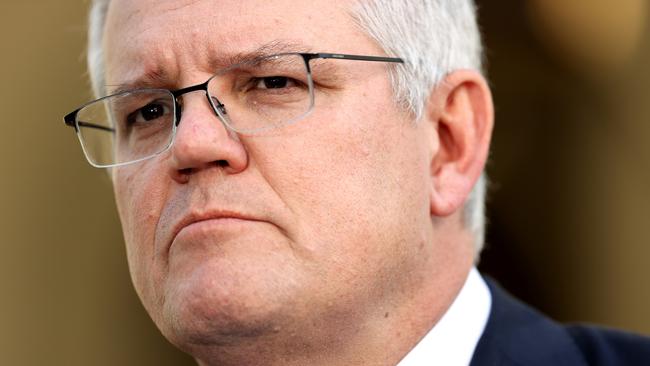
(461, 113)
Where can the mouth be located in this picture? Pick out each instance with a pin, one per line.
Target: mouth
(220, 217)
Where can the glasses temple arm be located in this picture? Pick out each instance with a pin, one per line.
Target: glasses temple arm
(356, 57)
(70, 120)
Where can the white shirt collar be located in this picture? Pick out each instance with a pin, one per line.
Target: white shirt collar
(453, 339)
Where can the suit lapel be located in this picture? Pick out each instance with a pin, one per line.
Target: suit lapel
(515, 334)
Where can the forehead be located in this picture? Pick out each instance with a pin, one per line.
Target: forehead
(230, 18)
(150, 33)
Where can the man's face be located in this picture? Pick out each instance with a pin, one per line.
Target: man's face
(293, 231)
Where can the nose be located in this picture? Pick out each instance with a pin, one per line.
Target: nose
(203, 142)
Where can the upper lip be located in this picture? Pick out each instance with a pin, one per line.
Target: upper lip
(195, 217)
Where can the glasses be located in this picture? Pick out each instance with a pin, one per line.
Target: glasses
(249, 97)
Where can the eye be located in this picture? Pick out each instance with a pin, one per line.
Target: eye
(275, 82)
(148, 113)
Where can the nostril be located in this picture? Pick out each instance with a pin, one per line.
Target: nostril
(185, 171)
(222, 163)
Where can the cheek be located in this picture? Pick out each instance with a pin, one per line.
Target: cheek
(357, 183)
(374, 161)
(139, 197)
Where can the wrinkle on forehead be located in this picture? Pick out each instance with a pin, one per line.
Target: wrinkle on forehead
(169, 42)
(158, 75)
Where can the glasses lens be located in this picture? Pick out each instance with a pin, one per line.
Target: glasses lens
(126, 127)
(264, 93)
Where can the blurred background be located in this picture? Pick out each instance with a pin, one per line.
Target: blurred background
(568, 209)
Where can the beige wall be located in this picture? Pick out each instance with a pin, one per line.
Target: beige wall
(570, 222)
(570, 228)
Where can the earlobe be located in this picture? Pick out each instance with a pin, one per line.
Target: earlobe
(460, 110)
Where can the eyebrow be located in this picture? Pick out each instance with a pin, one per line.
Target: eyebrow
(150, 80)
(157, 77)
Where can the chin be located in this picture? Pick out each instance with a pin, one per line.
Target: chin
(213, 305)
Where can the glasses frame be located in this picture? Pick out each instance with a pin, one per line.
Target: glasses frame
(71, 120)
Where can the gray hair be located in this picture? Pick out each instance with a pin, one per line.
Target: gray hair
(434, 37)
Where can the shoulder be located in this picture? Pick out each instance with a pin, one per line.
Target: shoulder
(602, 346)
(517, 334)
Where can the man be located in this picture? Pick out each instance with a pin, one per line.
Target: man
(285, 205)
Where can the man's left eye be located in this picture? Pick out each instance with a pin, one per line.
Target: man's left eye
(275, 82)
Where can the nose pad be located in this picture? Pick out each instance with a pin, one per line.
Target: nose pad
(221, 112)
(220, 108)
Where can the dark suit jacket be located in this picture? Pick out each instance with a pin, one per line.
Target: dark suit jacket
(515, 334)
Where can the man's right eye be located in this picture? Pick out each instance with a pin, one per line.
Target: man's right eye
(149, 112)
